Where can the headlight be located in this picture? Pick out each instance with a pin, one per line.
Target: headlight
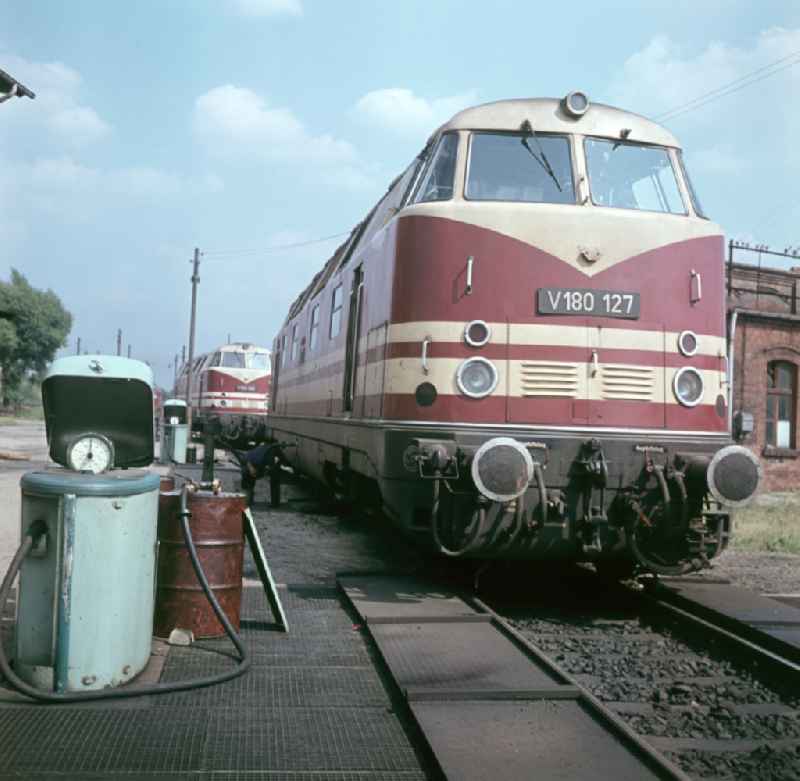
(688, 386)
(576, 103)
(476, 377)
(687, 343)
(476, 333)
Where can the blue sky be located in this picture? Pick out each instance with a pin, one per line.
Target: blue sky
(240, 125)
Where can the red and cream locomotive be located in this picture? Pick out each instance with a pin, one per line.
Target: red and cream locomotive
(231, 386)
(521, 351)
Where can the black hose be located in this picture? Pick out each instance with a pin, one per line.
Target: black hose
(476, 527)
(517, 526)
(107, 694)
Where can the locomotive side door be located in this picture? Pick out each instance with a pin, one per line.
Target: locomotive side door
(626, 376)
(374, 371)
(351, 361)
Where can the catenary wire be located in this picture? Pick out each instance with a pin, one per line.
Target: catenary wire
(733, 86)
(221, 254)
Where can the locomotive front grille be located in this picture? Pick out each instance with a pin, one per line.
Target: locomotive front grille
(546, 378)
(628, 382)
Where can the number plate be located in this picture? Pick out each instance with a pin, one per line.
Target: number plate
(581, 301)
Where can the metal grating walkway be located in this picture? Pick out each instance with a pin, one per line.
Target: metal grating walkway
(487, 708)
(312, 707)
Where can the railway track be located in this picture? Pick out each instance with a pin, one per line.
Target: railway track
(709, 691)
(673, 690)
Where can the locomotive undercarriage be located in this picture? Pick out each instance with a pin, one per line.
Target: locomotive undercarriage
(619, 503)
(660, 501)
(234, 430)
(655, 522)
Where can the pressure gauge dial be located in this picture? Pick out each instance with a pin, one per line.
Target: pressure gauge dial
(91, 453)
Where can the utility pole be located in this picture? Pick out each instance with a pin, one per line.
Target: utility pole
(129, 351)
(183, 355)
(119, 341)
(78, 351)
(175, 368)
(195, 281)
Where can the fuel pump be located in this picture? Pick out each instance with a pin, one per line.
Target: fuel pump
(85, 605)
(176, 432)
(87, 560)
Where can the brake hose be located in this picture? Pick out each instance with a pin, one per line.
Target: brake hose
(476, 526)
(31, 536)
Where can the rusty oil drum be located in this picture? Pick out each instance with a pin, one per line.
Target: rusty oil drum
(218, 534)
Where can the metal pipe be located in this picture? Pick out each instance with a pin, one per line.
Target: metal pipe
(516, 526)
(684, 495)
(662, 484)
(537, 471)
(731, 355)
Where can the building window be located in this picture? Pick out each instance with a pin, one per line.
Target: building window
(283, 350)
(295, 342)
(336, 312)
(781, 404)
(313, 337)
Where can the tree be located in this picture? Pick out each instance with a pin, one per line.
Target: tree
(34, 326)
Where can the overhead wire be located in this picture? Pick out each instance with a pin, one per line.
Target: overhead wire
(753, 77)
(776, 66)
(221, 254)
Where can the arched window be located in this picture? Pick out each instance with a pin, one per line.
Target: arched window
(781, 404)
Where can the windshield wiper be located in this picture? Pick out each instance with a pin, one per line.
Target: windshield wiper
(527, 128)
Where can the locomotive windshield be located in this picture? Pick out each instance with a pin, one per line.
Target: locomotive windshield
(258, 361)
(516, 167)
(231, 360)
(632, 176)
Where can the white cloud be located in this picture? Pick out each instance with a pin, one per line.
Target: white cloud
(235, 122)
(400, 110)
(269, 7)
(66, 189)
(57, 106)
(662, 77)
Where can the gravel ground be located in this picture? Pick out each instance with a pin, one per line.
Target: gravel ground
(663, 687)
(341, 543)
(766, 573)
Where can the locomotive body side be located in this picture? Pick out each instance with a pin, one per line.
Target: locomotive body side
(522, 378)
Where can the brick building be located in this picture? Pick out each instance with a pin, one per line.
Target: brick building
(764, 312)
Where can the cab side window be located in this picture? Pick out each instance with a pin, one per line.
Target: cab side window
(437, 182)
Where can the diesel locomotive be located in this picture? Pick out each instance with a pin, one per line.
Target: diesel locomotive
(230, 386)
(521, 351)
